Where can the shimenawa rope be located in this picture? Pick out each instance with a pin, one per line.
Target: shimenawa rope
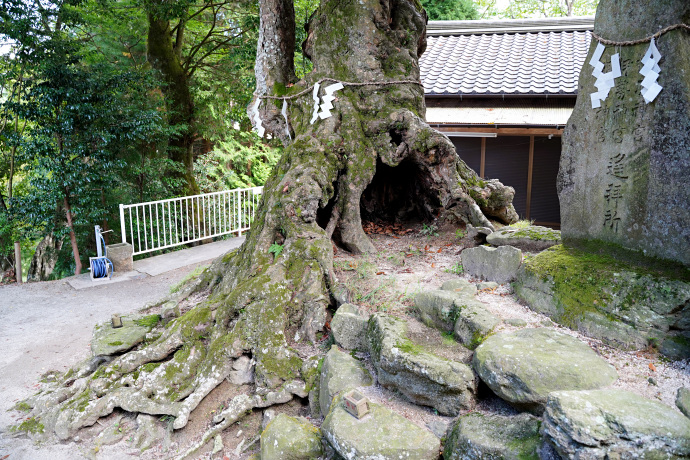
(641, 40)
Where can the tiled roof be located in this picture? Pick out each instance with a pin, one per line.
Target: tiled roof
(497, 112)
(482, 63)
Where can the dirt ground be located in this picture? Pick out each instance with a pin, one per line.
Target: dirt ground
(47, 326)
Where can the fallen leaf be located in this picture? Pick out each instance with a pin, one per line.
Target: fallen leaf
(652, 367)
(433, 265)
(426, 248)
(439, 250)
(380, 273)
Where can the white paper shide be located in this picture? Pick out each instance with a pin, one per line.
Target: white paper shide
(327, 99)
(604, 81)
(650, 70)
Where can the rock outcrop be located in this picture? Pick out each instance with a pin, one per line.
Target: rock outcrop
(533, 238)
(349, 326)
(423, 377)
(492, 264)
(524, 366)
(108, 340)
(290, 438)
(625, 305)
(482, 436)
(340, 372)
(380, 435)
(614, 424)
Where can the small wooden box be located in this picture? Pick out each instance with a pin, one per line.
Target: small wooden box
(356, 403)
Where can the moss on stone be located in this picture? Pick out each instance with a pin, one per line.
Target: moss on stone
(31, 425)
(149, 321)
(22, 406)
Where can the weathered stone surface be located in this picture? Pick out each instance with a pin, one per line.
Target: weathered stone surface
(380, 435)
(683, 400)
(44, 259)
(242, 371)
(461, 287)
(487, 285)
(424, 378)
(515, 322)
(614, 424)
(482, 436)
(436, 308)
(623, 305)
(524, 366)
(533, 238)
(474, 322)
(478, 234)
(624, 166)
(340, 372)
(349, 326)
(148, 433)
(492, 264)
(108, 340)
(120, 255)
(290, 438)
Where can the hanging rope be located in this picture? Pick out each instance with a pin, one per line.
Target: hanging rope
(344, 83)
(641, 40)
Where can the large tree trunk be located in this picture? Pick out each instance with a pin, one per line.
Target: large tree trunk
(164, 56)
(265, 306)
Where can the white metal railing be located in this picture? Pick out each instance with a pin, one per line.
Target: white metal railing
(167, 223)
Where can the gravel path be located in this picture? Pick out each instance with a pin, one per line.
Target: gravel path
(47, 326)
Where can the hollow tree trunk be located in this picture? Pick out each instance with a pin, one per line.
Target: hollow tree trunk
(263, 305)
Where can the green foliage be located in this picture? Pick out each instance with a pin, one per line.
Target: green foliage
(454, 10)
(456, 269)
(148, 321)
(518, 9)
(275, 249)
(190, 276)
(429, 230)
(242, 160)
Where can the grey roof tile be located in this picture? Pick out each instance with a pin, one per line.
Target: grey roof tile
(504, 63)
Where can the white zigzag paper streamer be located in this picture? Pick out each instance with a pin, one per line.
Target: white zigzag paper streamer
(605, 81)
(257, 118)
(327, 100)
(315, 96)
(650, 70)
(287, 123)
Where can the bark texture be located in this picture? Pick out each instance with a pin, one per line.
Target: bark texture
(164, 54)
(263, 304)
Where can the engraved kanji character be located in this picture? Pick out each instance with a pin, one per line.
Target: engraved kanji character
(611, 219)
(616, 168)
(613, 192)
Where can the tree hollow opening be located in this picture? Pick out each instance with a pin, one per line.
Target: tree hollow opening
(404, 193)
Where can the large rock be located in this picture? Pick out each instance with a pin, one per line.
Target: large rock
(624, 168)
(474, 322)
(492, 264)
(380, 435)
(683, 400)
(614, 424)
(423, 377)
(524, 366)
(290, 438)
(120, 255)
(480, 436)
(437, 308)
(108, 340)
(624, 305)
(340, 372)
(45, 258)
(532, 238)
(349, 326)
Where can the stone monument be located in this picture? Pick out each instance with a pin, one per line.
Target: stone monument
(624, 175)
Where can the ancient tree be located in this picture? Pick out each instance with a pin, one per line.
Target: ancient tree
(374, 156)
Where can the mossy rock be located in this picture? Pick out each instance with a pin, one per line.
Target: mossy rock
(290, 438)
(524, 366)
(415, 371)
(533, 238)
(340, 372)
(493, 437)
(381, 434)
(108, 340)
(614, 424)
(623, 304)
